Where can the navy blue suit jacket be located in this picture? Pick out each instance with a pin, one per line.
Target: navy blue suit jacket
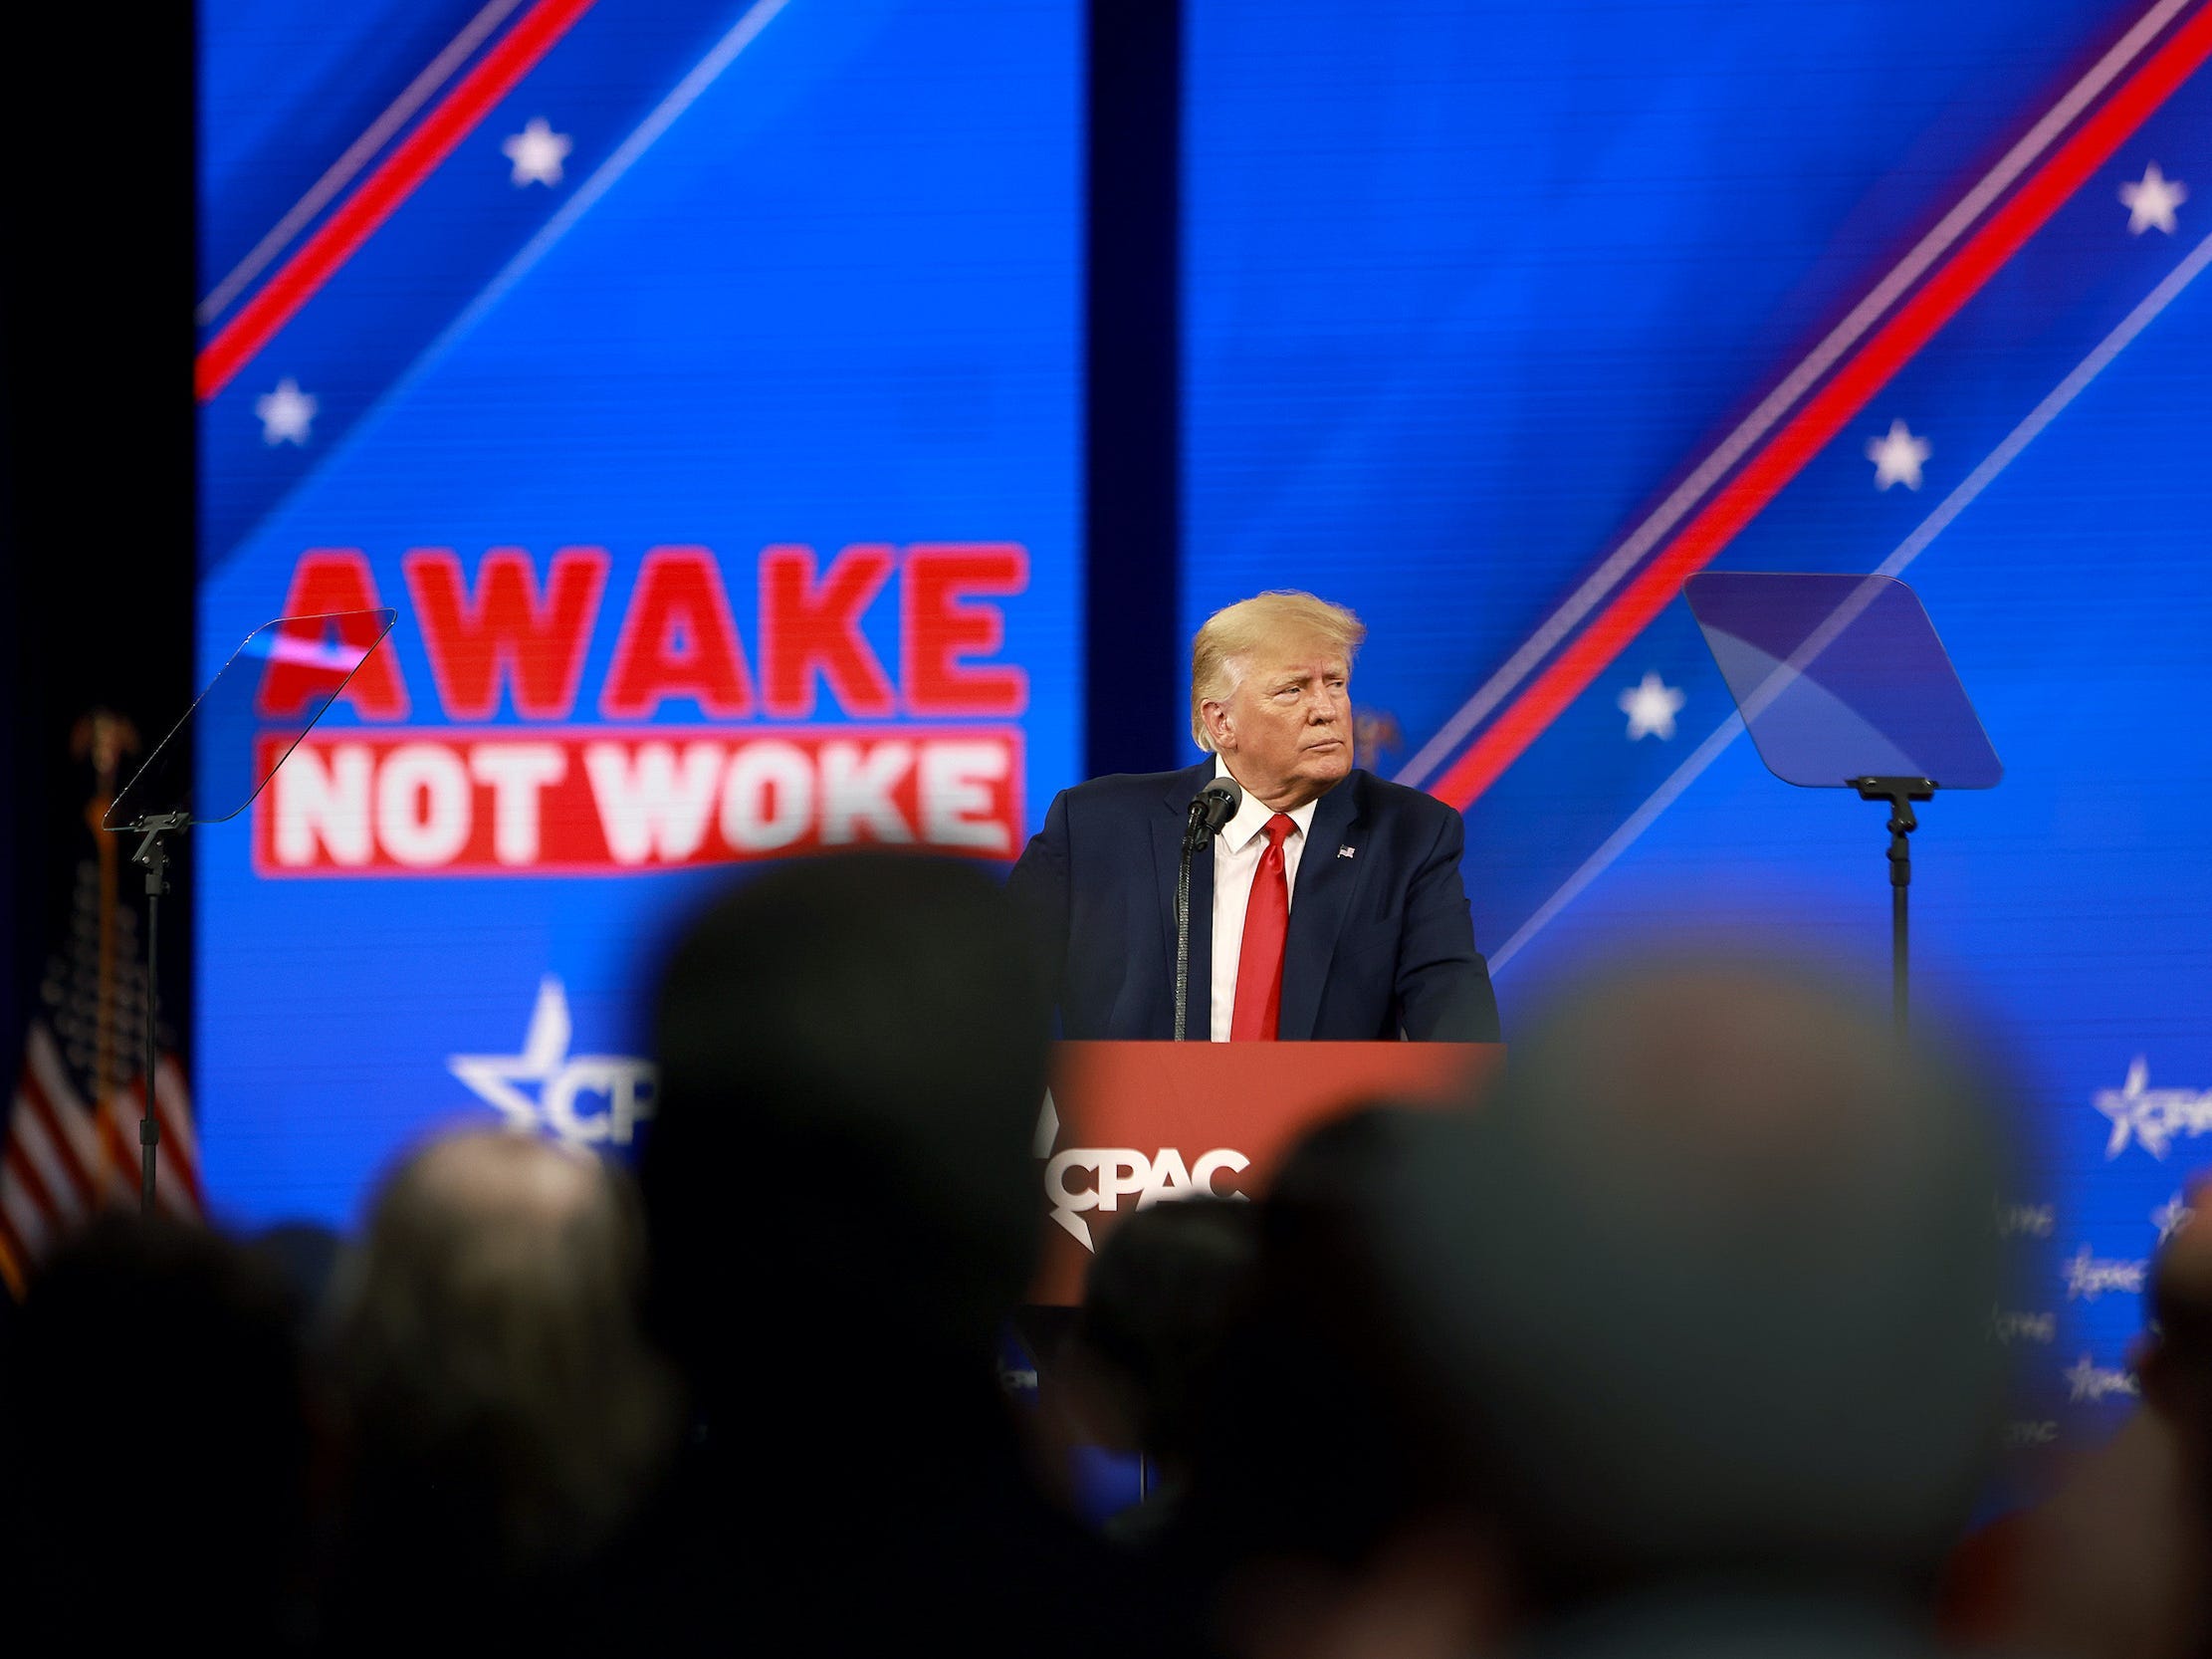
(1380, 942)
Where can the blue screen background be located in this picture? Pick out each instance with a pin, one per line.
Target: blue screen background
(1467, 289)
(833, 301)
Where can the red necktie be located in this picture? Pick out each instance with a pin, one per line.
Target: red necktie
(1258, 1007)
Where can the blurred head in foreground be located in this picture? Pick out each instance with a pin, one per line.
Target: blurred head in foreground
(1163, 1290)
(2178, 1370)
(2111, 1562)
(1310, 1449)
(852, 1056)
(844, 1212)
(501, 1409)
(1325, 1517)
(2171, 1552)
(153, 1446)
(1706, 1288)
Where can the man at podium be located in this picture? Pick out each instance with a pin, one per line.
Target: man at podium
(1329, 904)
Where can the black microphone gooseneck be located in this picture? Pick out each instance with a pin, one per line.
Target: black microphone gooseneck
(1211, 809)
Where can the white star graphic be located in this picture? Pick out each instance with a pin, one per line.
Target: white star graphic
(1897, 457)
(2151, 1118)
(2123, 1105)
(1650, 708)
(2152, 201)
(2171, 1216)
(626, 1084)
(2089, 1382)
(537, 152)
(2081, 1377)
(285, 413)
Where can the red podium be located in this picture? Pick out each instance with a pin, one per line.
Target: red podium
(1134, 1123)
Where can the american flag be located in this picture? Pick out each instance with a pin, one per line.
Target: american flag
(71, 1137)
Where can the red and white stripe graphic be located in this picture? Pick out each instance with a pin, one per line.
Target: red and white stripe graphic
(380, 195)
(1899, 315)
(357, 155)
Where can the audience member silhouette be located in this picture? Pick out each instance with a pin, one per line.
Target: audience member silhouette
(2177, 1390)
(1707, 1287)
(1675, 1343)
(2117, 1562)
(844, 1212)
(153, 1450)
(1322, 1498)
(501, 1413)
(1160, 1296)
(2177, 1364)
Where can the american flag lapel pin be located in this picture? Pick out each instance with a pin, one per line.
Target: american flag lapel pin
(1347, 850)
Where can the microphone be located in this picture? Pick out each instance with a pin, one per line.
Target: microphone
(1211, 809)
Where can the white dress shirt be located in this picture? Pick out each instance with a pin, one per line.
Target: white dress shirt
(1237, 853)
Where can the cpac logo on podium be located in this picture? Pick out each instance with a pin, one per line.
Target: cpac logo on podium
(1119, 1172)
(580, 1100)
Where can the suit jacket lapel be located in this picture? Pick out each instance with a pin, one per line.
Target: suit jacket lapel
(1324, 891)
(1167, 846)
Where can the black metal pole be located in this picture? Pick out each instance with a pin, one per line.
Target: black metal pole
(1900, 792)
(1900, 960)
(150, 1129)
(153, 858)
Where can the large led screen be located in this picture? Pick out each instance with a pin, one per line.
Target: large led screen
(1502, 321)
(698, 383)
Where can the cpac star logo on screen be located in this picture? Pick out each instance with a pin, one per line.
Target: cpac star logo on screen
(2171, 1216)
(2153, 1117)
(2088, 1277)
(2034, 1221)
(582, 1099)
(2010, 1327)
(2087, 1382)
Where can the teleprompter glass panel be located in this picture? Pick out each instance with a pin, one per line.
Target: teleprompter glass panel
(1839, 677)
(291, 668)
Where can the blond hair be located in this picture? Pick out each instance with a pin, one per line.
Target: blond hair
(488, 1335)
(1233, 632)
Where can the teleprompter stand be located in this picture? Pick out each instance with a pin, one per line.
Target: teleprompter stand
(1842, 684)
(1901, 792)
(154, 857)
(239, 736)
